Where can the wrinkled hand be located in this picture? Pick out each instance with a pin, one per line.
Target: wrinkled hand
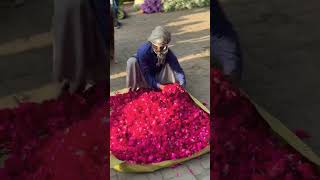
(162, 87)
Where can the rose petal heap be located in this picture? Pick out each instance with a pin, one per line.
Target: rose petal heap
(75, 153)
(151, 126)
(244, 145)
(59, 139)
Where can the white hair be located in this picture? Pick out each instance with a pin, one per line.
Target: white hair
(160, 36)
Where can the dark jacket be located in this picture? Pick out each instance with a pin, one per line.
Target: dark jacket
(147, 60)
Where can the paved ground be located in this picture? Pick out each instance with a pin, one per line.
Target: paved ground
(25, 50)
(281, 41)
(190, 31)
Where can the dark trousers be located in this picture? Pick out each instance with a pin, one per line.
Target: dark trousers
(115, 8)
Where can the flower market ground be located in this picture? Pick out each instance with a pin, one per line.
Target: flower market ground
(280, 42)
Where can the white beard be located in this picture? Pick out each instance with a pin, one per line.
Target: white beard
(162, 56)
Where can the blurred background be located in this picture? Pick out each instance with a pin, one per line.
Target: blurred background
(280, 42)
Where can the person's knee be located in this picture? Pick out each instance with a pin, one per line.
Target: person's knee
(132, 61)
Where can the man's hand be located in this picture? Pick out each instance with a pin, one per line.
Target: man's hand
(162, 86)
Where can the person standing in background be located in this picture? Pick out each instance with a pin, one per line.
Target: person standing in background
(115, 9)
(81, 43)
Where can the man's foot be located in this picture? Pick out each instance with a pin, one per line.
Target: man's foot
(118, 25)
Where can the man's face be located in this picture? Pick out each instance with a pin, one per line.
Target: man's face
(159, 48)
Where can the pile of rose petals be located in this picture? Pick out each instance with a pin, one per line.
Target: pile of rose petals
(153, 126)
(244, 145)
(58, 139)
